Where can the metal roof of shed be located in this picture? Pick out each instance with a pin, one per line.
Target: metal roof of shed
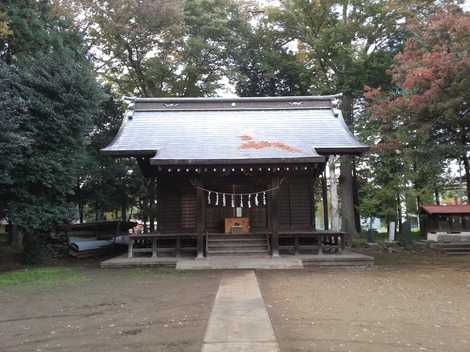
(457, 209)
(233, 131)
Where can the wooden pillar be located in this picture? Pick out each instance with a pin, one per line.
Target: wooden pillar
(200, 219)
(313, 212)
(154, 247)
(130, 253)
(274, 208)
(320, 248)
(178, 246)
(324, 196)
(151, 205)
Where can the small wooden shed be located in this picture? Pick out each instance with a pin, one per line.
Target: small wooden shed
(446, 222)
(235, 175)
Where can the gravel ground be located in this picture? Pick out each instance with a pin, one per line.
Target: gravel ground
(389, 308)
(109, 310)
(392, 309)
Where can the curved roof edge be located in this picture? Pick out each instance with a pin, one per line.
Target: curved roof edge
(234, 99)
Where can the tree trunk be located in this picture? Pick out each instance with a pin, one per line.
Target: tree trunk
(357, 213)
(324, 196)
(346, 168)
(335, 223)
(124, 211)
(399, 212)
(348, 220)
(78, 192)
(15, 238)
(436, 196)
(466, 164)
(34, 245)
(80, 212)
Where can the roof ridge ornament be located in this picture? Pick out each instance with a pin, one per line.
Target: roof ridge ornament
(130, 109)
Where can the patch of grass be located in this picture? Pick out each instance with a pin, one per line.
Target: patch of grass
(40, 276)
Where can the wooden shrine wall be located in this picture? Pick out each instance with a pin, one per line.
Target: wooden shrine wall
(176, 205)
(177, 202)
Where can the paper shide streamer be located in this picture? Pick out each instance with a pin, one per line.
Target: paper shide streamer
(237, 199)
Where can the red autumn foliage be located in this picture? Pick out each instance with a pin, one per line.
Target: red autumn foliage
(432, 73)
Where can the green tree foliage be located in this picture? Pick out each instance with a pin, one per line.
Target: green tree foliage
(56, 104)
(344, 45)
(261, 61)
(106, 184)
(429, 108)
(160, 48)
(50, 97)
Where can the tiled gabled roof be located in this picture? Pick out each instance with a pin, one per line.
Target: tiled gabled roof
(232, 131)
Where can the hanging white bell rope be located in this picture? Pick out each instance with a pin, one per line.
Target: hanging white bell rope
(241, 200)
(233, 201)
(249, 201)
(264, 198)
(216, 198)
(256, 199)
(209, 197)
(223, 200)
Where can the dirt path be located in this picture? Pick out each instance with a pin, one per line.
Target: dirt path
(414, 309)
(111, 310)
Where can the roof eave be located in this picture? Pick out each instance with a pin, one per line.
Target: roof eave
(343, 150)
(251, 161)
(128, 153)
(234, 99)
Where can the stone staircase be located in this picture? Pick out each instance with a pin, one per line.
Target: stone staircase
(453, 248)
(243, 244)
(346, 259)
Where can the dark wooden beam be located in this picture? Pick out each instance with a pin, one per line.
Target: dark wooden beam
(151, 205)
(274, 210)
(324, 192)
(200, 218)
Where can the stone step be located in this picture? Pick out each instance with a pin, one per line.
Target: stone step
(237, 248)
(453, 249)
(336, 258)
(451, 245)
(338, 263)
(237, 244)
(236, 237)
(243, 251)
(450, 249)
(459, 253)
(228, 239)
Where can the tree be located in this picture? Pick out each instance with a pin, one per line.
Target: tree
(160, 48)
(346, 44)
(106, 184)
(432, 78)
(261, 61)
(48, 110)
